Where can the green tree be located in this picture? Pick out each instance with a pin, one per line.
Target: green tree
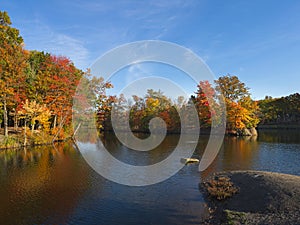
(280, 110)
(231, 88)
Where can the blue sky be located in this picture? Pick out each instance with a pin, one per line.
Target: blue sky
(258, 40)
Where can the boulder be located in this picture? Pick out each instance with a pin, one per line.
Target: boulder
(246, 132)
(253, 131)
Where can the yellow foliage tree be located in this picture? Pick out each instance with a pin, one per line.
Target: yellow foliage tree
(242, 111)
(32, 111)
(152, 104)
(238, 117)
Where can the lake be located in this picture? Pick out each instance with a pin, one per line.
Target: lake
(55, 185)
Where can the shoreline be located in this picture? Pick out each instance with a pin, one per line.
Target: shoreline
(278, 127)
(33, 145)
(263, 198)
(15, 141)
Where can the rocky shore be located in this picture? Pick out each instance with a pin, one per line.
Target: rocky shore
(263, 198)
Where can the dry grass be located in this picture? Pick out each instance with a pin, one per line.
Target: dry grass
(220, 187)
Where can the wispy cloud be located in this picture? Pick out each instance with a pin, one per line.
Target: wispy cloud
(41, 37)
(62, 44)
(136, 71)
(112, 23)
(136, 19)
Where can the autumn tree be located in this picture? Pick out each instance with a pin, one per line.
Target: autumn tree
(205, 103)
(31, 81)
(91, 100)
(12, 65)
(187, 114)
(64, 78)
(120, 112)
(137, 113)
(32, 112)
(159, 105)
(52, 80)
(140, 111)
(242, 111)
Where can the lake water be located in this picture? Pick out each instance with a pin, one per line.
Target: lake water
(55, 185)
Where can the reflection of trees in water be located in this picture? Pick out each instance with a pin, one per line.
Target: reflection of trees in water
(237, 153)
(40, 182)
(86, 134)
(119, 151)
(25, 157)
(279, 136)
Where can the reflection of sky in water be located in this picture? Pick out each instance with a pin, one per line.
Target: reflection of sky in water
(86, 147)
(285, 158)
(271, 151)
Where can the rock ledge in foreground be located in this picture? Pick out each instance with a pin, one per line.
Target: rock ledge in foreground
(263, 198)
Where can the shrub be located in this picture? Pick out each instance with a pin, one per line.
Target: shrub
(9, 142)
(220, 187)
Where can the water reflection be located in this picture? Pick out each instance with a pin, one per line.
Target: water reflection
(277, 151)
(54, 185)
(279, 136)
(139, 158)
(35, 184)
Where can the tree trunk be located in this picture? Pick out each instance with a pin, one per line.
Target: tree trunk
(54, 122)
(59, 128)
(16, 120)
(32, 126)
(25, 137)
(5, 119)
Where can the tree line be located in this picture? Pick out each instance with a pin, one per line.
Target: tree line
(284, 110)
(242, 113)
